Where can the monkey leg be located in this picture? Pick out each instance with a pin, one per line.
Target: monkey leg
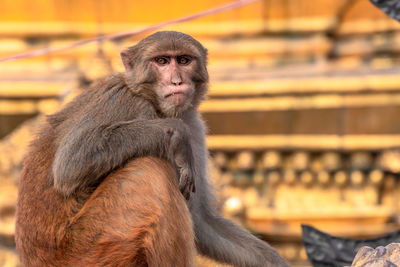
(136, 217)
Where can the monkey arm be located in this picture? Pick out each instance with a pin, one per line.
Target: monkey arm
(88, 152)
(217, 237)
(223, 240)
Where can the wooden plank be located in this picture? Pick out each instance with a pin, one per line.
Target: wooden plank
(117, 11)
(88, 17)
(309, 142)
(252, 47)
(38, 89)
(368, 45)
(9, 122)
(325, 121)
(248, 48)
(298, 102)
(26, 89)
(316, 84)
(28, 107)
(368, 25)
(299, 24)
(196, 28)
(339, 221)
(8, 107)
(371, 120)
(37, 67)
(203, 28)
(330, 121)
(91, 29)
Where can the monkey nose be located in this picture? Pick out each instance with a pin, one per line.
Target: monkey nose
(177, 83)
(176, 80)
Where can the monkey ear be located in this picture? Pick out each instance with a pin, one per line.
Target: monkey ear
(127, 59)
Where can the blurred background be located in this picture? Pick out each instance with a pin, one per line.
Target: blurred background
(303, 108)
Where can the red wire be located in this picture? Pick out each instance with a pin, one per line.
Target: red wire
(44, 51)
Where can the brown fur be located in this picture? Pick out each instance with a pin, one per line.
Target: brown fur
(87, 197)
(126, 221)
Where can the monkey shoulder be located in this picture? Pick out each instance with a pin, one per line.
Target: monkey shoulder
(115, 95)
(109, 102)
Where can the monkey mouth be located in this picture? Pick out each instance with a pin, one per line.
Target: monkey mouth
(177, 97)
(174, 93)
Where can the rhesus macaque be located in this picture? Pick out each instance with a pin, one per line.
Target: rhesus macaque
(106, 180)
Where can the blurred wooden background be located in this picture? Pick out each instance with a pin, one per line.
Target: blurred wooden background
(302, 110)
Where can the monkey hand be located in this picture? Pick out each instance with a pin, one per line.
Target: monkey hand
(180, 154)
(186, 176)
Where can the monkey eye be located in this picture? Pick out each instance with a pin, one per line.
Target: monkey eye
(183, 60)
(161, 60)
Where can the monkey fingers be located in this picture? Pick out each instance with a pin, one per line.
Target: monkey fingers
(180, 154)
(186, 181)
(183, 161)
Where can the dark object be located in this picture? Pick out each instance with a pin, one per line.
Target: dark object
(390, 7)
(324, 250)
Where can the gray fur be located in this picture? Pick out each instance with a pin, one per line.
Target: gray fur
(121, 119)
(217, 237)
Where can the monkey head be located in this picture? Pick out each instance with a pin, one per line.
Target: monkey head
(170, 68)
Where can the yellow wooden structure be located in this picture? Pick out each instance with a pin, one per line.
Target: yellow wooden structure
(303, 105)
(91, 17)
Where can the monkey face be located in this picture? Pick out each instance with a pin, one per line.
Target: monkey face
(171, 67)
(175, 87)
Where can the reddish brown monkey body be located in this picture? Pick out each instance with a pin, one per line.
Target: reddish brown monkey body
(92, 192)
(125, 222)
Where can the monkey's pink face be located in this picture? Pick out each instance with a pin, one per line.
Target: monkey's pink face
(175, 72)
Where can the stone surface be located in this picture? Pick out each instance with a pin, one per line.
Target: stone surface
(388, 256)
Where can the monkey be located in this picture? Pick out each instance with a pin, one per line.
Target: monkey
(119, 176)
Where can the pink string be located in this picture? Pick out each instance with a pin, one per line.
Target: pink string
(44, 51)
